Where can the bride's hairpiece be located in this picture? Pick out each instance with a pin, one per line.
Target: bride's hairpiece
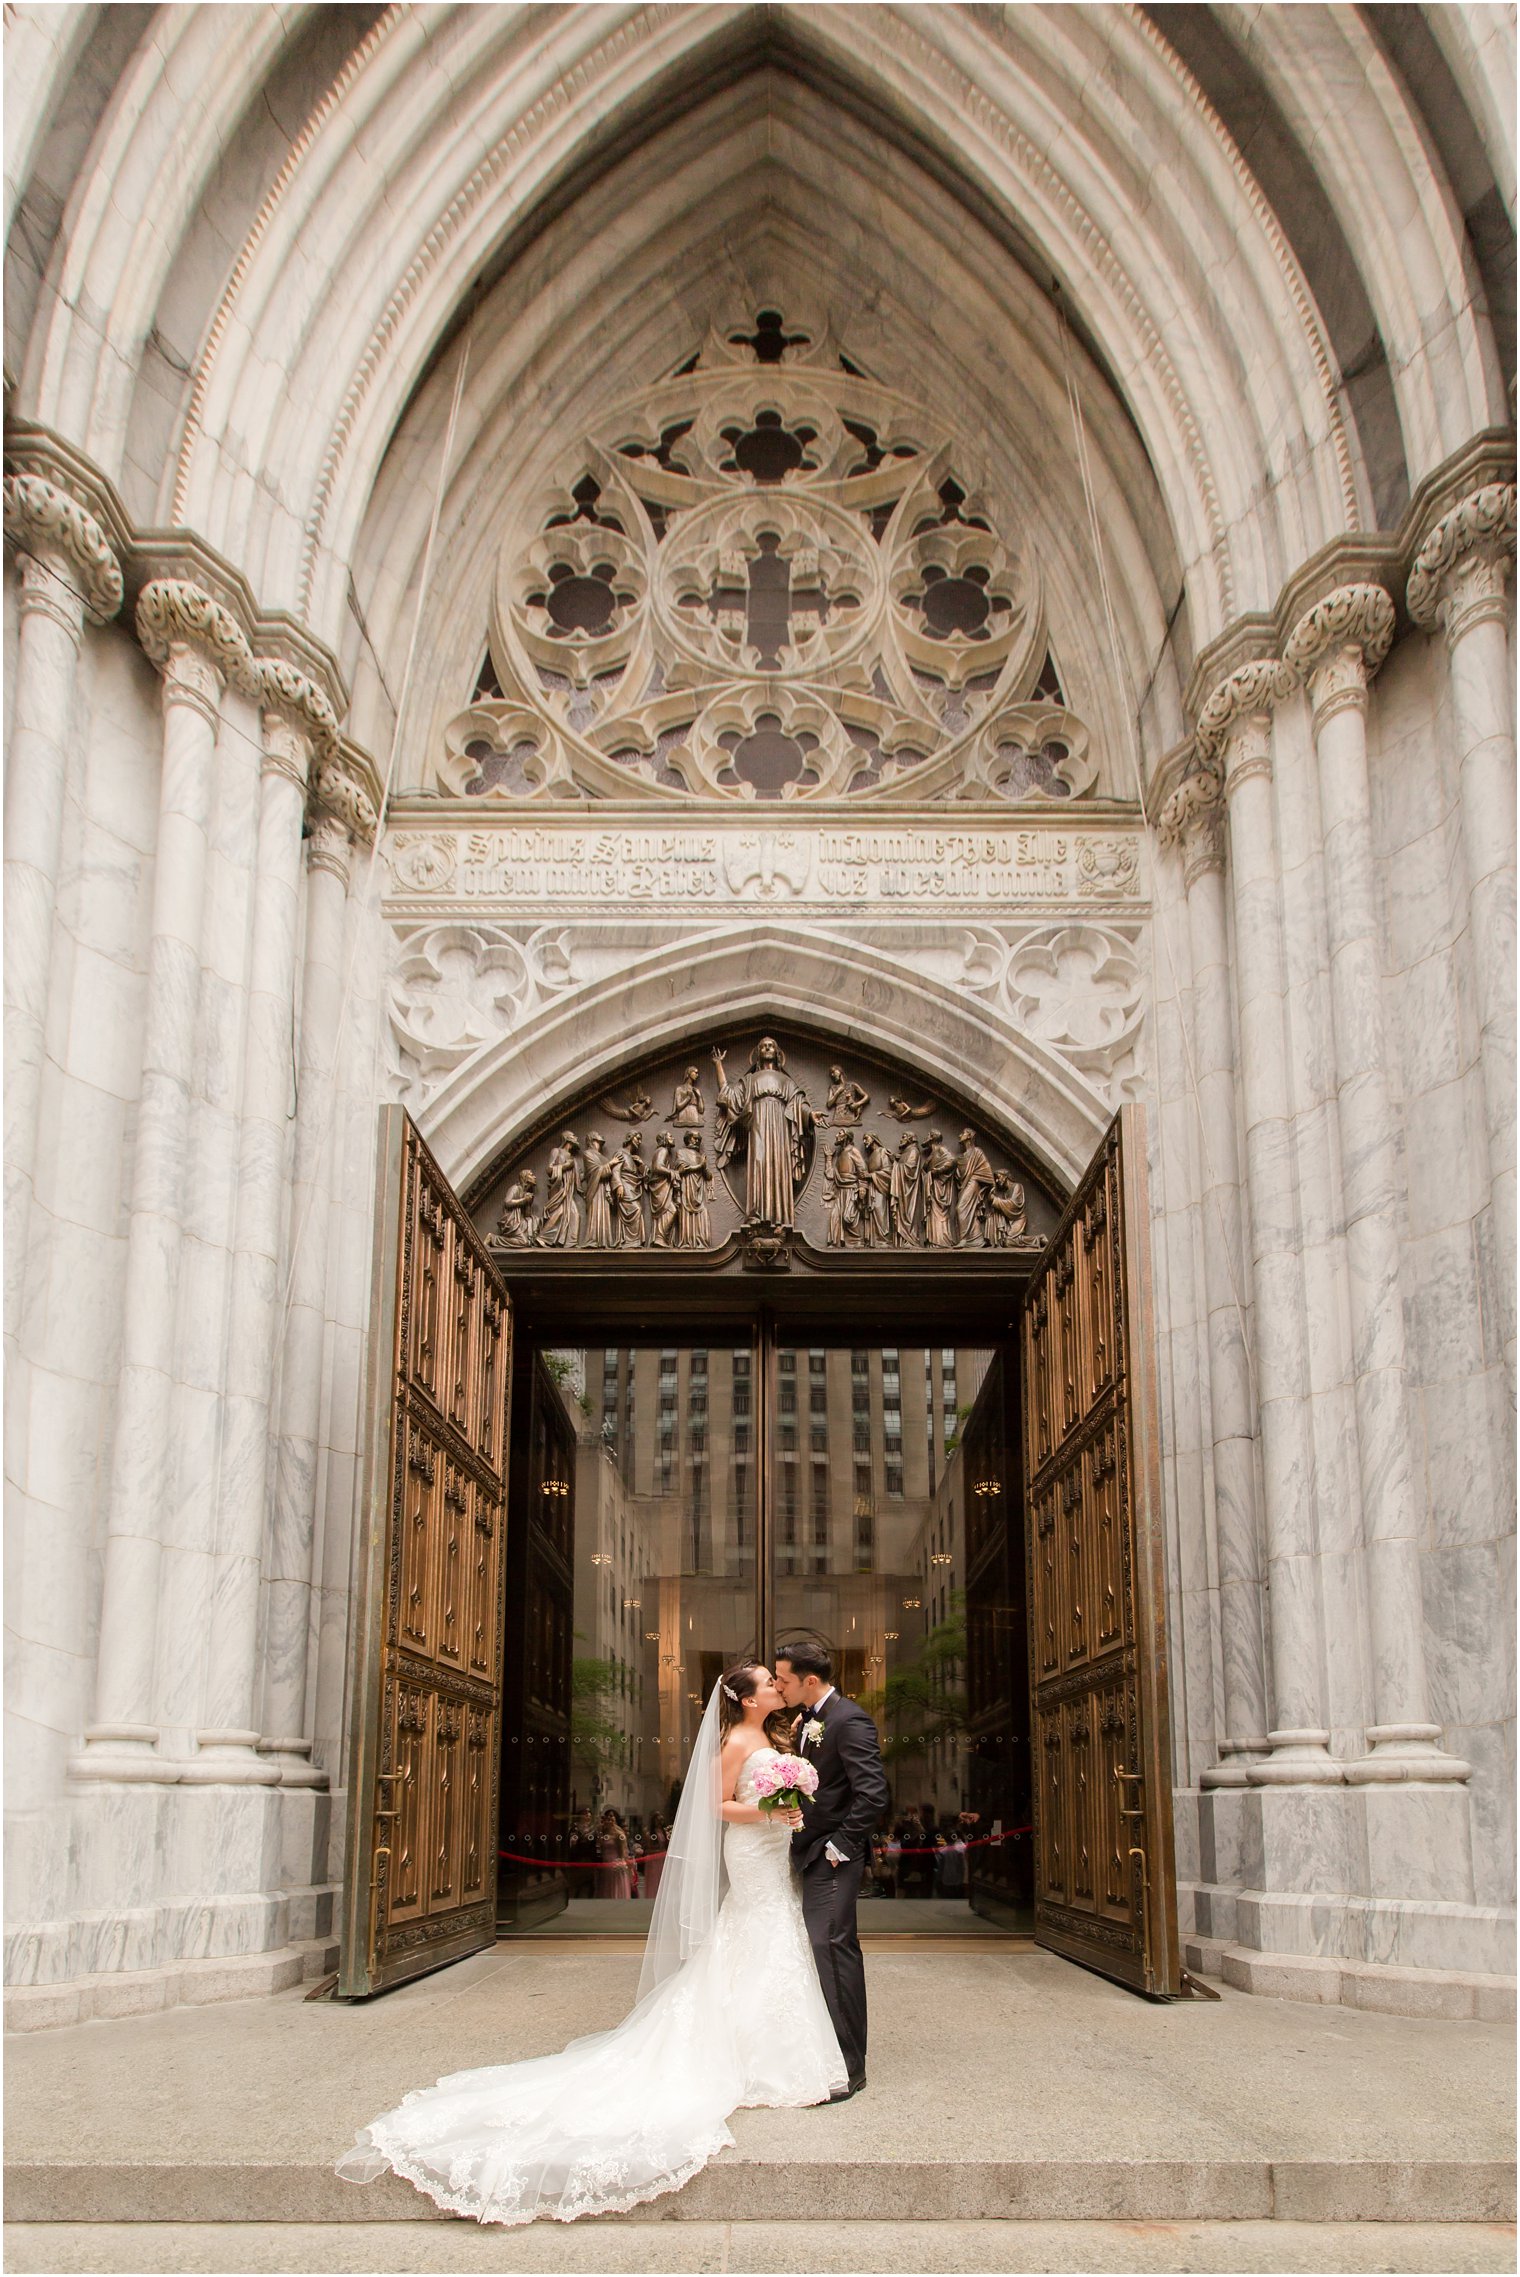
(732, 1694)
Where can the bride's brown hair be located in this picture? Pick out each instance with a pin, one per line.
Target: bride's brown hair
(735, 1686)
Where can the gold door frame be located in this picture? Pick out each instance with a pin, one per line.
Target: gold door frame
(1105, 1868)
(425, 1742)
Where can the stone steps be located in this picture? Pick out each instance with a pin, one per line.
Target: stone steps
(191, 1984)
(765, 2248)
(737, 2188)
(1004, 2086)
(1379, 1987)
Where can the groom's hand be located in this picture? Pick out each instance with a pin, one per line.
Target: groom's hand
(834, 1857)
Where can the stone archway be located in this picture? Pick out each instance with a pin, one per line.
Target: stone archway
(766, 971)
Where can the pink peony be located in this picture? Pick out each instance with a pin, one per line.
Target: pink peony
(782, 1781)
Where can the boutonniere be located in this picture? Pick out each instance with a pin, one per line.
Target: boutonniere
(812, 1732)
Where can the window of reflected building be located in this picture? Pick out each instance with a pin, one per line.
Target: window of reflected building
(880, 1544)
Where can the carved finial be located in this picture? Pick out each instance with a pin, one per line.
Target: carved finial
(41, 519)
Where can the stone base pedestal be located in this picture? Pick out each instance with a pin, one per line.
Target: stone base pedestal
(1361, 1894)
(176, 1893)
(1453, 1994)
(140, 1992)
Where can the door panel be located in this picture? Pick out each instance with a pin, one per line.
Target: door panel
(1105, 1890)
(420, 1884)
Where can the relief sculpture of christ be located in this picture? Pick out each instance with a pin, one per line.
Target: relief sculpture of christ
(773, 1113)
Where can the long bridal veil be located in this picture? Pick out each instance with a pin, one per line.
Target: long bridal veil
(616, 2117)
(692, 1880)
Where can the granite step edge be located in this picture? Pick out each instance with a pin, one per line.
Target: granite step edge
(741, 2189)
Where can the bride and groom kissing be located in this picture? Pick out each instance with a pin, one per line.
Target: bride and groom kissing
(752, 1990)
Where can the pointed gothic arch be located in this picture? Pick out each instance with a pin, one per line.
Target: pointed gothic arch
(768, 972)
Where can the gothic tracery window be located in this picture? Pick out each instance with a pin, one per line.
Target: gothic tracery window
(770, 578)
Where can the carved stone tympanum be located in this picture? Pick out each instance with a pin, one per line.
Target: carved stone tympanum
(781, 1163)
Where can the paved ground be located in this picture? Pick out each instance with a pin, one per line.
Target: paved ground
(674, 2248)
(1003, 2084)
(879, 1917)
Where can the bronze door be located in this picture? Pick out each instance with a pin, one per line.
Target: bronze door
(1105, 1884)
(424, 1756)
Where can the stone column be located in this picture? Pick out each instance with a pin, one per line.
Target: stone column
(1235, 728)
(288, 1583)
(1336, 648)
(198, 648)
(297, 722)
(66, 569)
(1458, 580)
(1193, 818)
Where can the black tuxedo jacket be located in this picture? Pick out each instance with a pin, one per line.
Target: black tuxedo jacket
(852, 1786)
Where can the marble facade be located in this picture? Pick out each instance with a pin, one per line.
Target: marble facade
(310, 348)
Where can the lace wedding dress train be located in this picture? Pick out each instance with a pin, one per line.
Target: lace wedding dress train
(623, 2116)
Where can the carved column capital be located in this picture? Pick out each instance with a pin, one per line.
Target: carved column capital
(1461, 570)
(287, 752)
(1252, 692)
(54, 532)
(330, 848)
(195, 642)
(338, 792)
(289, 696)
(1337, 646)
(1193, 819)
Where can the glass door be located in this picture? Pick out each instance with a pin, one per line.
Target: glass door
(895, 1544)
(655, 1562)
(688, 1504)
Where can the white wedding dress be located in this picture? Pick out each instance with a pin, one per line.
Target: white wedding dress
(625, 2115)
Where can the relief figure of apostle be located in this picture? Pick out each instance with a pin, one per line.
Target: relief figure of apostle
(774, 1114)
(850, 1208)
(661, 1188)
(694, 1178)
(1007, 1217)
(878, 1192)
(517, 1226)
(629, 1172)
(688, 1109)
(939, 1193)
(907, 1180)
(974, 1173)
(596, 1170)
(561, 1226)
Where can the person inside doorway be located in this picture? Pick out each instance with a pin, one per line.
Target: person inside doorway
(612, 1856)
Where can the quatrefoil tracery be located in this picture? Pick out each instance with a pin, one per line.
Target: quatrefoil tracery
(768, 578)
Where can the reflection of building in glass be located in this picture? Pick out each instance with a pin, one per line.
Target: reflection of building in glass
(868, 1509)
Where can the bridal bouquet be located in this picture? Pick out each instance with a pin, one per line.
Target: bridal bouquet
(781, 1784)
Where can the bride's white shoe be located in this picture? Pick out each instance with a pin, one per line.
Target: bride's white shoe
(625, 2115)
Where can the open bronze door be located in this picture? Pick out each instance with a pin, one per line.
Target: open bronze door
(425, 1745)
(1105, 1876)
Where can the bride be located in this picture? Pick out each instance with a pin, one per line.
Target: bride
(730, 2014)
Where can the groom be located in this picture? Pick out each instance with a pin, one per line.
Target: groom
(830, 1849)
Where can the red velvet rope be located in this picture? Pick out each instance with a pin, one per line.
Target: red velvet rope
(647, 1857)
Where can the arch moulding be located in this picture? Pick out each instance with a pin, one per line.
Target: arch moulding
(772, 975)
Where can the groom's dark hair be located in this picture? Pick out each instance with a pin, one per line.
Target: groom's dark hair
(808, 1660)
